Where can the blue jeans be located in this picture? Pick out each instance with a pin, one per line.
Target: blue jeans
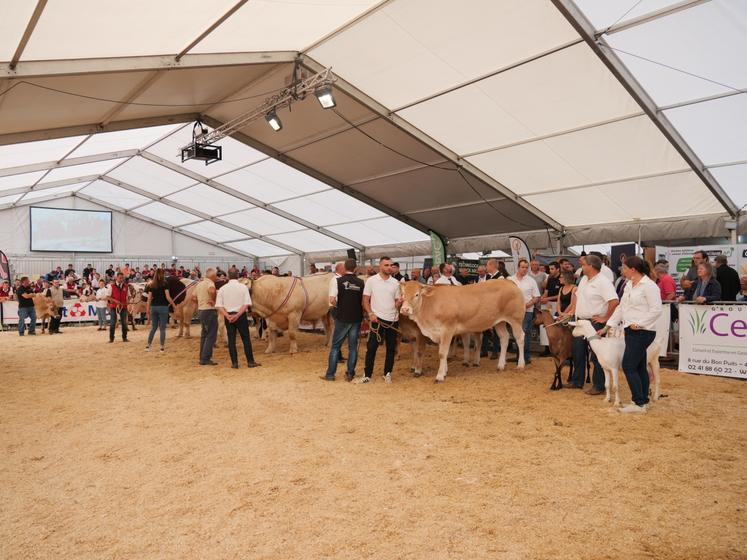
(342, 330)
(23, 314)
(634, 363)
(526, 326)
(101, 316)
(159, 317)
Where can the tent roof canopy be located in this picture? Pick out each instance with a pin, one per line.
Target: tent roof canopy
(460, 122)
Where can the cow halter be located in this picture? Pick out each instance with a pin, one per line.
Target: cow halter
(296, 280)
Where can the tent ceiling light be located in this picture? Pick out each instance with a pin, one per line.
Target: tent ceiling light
(273, 120)
(325, 97)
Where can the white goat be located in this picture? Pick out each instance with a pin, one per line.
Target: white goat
(609, 351)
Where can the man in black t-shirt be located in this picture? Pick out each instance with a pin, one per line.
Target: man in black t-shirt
(347, 296)
(25, 297)
(552, 289)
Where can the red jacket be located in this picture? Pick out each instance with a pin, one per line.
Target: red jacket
(120, 295)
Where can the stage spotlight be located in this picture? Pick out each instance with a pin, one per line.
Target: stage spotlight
(273, 120)
(325, 97)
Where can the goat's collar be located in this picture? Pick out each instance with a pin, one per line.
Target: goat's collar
(594, 337)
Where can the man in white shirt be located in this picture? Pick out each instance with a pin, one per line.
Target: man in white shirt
(606, 270)
(531, 294)
(101, 298)
(595, 300)
(232, 302)
(382, 298)
(447, 276)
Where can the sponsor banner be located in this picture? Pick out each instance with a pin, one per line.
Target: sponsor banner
(470, 264)
(519, 250)
(713, 340)
(438, 251)
(74, 311)
(4, 268)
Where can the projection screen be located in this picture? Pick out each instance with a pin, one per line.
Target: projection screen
(74, 231)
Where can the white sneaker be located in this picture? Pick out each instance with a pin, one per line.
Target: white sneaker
(388, 377)
(147, 348)
(632, 408)
(363, 379)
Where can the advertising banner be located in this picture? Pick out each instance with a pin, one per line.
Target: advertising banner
(519, 250)
(4, 268)
(713, 340)
(74, 311)
(438, 251)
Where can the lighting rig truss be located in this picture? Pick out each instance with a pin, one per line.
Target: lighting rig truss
(201, 147)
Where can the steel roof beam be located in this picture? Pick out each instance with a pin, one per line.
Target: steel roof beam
(439, 148)
(651, 16)
(210, 29)
(202, 215)
(40, 5)
(93, 128)
(49, 165)
(45, 68)
(250, 199)
(610, 59)
(49, 185)
(289, 161)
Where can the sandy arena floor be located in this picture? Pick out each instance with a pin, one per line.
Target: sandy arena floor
(109, 452)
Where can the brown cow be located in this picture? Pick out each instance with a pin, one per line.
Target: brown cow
(45, 309)
(285, 301)
(443, 311)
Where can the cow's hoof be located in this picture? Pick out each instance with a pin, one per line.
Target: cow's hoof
(417, 373)
(437, 380)
(465, 364)
(475, 365)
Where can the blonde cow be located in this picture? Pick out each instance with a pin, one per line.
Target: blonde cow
(284, 301)
(444, 311)
(45, 310)
(181, 291)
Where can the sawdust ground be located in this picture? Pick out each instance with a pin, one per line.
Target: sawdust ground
(109, 452)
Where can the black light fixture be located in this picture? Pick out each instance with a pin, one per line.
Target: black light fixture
(325, 97)
(200, 150)
(273, 120)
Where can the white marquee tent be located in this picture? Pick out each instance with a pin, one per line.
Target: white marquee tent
(595, 120)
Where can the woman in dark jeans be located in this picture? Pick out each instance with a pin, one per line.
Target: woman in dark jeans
(639, 311)
(158, 307)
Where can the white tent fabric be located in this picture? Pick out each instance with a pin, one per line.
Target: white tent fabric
(142, 186)
(467, 118)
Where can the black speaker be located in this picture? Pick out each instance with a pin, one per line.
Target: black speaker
(351, 253)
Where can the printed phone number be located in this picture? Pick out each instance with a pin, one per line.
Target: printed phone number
(717, 369)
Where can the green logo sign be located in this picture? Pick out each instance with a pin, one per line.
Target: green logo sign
(683, 264)
(698, 322)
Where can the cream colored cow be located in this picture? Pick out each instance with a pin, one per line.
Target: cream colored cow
(444, 311)
(284, 301)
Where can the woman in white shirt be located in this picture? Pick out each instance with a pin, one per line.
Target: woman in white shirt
(639, 310)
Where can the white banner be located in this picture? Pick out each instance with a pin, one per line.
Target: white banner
(713, 340)
(519, 250)
(74, 311)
